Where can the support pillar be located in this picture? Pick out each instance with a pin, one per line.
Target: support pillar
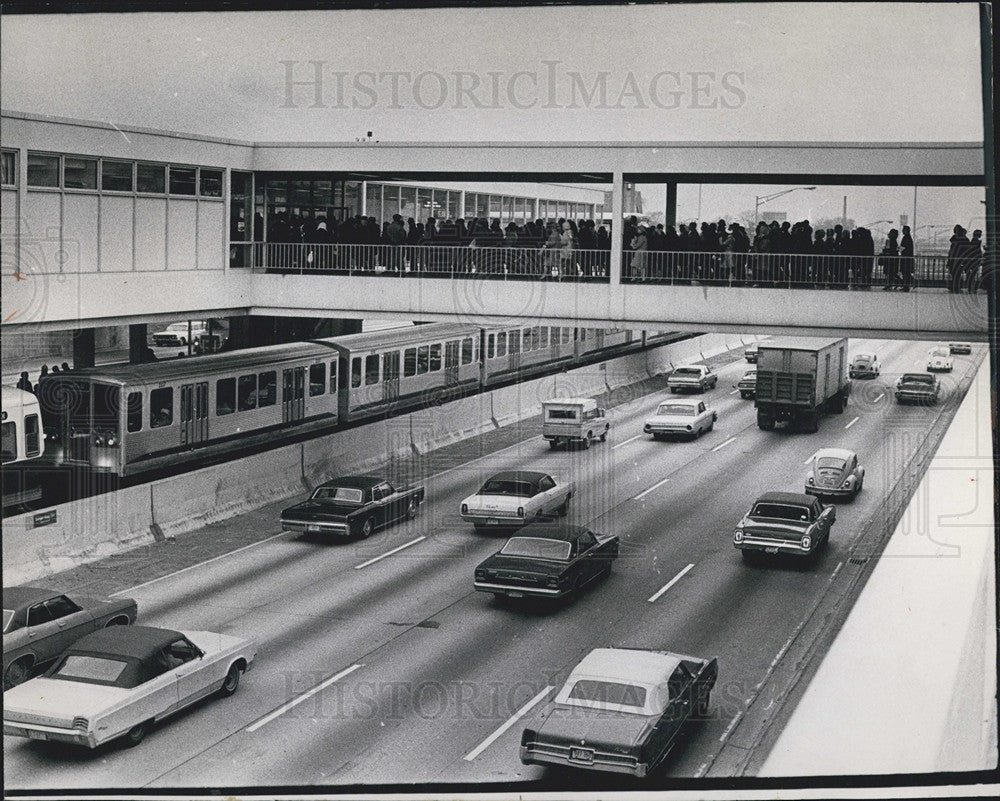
(83, 348)
(617, 225)
(138, 334)
(670, 210)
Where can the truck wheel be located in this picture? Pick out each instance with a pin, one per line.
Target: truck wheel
(764, 423)
(810, 423)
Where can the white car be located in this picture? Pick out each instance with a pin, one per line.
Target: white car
(939, 360)
(176, 334)
(692, 376)
(514, 498)
(685, 417)
(118, 681)
(864, 365)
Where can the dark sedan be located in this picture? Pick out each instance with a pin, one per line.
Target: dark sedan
(784, 522)
(39, 624)
(352, 506)
(547, 560)
(621, 710)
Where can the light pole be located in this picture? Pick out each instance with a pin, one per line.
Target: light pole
(760, 200)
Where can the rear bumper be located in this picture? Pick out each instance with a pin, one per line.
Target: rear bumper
(331, 529)
(915, 396)
(516, 591)
(862, 374)
(50, 733)
(829, 492)
(484, 521)
(540, 754)
(768, 545)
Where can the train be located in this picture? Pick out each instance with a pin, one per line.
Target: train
(136, 418)
(23, 440)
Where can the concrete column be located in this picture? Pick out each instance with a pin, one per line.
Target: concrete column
(617, 220)
(83, 348)
(137, 336)
(670, 213)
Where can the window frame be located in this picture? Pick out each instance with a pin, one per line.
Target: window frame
(45, 187)
(130, 190)
(221, 387)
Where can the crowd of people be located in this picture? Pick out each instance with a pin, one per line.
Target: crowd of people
(24, 382)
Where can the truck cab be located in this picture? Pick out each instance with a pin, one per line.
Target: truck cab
(566, 420)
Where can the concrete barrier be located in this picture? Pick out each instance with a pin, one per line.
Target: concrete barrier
(625, 370)
(355, 450)
(513, 403)
(686, 352)
(712, 345)
(437, 426)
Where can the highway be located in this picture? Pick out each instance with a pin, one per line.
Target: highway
(379, 664)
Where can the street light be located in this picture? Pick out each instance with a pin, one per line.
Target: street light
(760, 200)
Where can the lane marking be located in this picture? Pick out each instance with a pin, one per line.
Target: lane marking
(390, 553)
(281, 710)
(200, 564)
(670, 583)
(626, 442)
(647, 491)
(730, 727)
(852, 422)
(807, 461)
(734, 392)
(510, 722)
(876, 400)
(723, 444)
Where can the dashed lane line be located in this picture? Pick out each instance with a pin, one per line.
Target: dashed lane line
(646, 492)
(626, 442)
(722, 445)
(390, 553)
(509, 722)
(670, 583)
(852, 422)
(281, 710)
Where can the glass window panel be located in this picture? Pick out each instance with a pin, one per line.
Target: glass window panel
(116, 176)
(423, 204)
(267, 388)
(133, 413)
(352, 197)
(390, 202)
(182, 180)
(9, 172)
(317, 379)
(502, 343)
(246, 393)
(453, 211)
(435, 357)
(371, 369)
(211, 182)
(408, 202)
(322, 193)
(508, 208)
(333, 377)
(482, 206)
(470, 205)
(423, 359)
(490, 346)
(32, 436)
(356, 372)
(161, 407)
(495, 209)
(225, 396)
(543, 341)
(80, 173)
(151, 178)
(43, 170)
(467, 350)
(373, 201)
(409, 362)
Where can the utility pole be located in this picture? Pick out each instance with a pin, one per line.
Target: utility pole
(843, 218)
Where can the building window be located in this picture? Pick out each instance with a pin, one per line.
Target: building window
(161, 407)
(9, 172)
(133, 413)
(116, 176)
(317, 379)
(182, 180)
(211, 182)
(267, 389)
(151, 178)
(43, 170)
(79, 173)
(225, 396)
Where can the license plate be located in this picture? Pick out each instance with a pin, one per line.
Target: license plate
(581, 754)
(492, 521)
(314, 528)
(771, 550)
(515, 594)
(35, 735)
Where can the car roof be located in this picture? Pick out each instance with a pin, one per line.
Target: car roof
(354, 482)
(786, 497)
(681, 401)
(18, 597)
(517, 475)
(571, 401)
(552, 531)
(835, 453)
(864, 355)
(632, 665)
(922, 376)
(690, 366)
(135, 642)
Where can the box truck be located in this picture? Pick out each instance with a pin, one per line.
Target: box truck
(800, 378)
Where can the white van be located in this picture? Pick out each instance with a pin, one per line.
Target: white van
(566, 420)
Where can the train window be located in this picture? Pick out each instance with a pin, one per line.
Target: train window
(317, 379)
(225, 396)
(246, 393)
(371, 369)
(502, 343)
(566, 334)
(267, 389)
(423, 359)
(409, 362)
(333, 376)
(527, 340)
(133, 412)
(79, 173)
(490, 346)
(515, 342)
(210, 182)
(435, 357)
(536, 334)
(151, 178)
(9, 441)
(32, 440)
(467, 350)
(161, 407)
(182, 180)
(356, 372)
(543, 336)
(107, 407)
(116, 176)
(43, 170)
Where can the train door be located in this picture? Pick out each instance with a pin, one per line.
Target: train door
(194, 413)
(514, 350)
(390, 376)
(598, 338)
(293, 394)
(451, 362)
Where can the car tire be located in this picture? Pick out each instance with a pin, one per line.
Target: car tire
(411, 509)
(136, 734)
(367, 528)
(232, 680)
(563, 510)
(553, 444)
(604, 436)
(120, 620)
(17, 672)
(588, 440)
(711, 424)
(673, 390)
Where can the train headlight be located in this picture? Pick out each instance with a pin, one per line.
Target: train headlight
(112, 442)
(99, 441)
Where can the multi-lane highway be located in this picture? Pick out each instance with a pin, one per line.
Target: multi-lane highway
(379, 664)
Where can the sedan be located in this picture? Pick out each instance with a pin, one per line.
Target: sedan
(939, 360)
(547, 560)
(620, 711)
(835, 473)
(514, 498)
(921, 388)
(750, 354)
(684, 417)
(39, 624)
(748, 384)
(864, 365)
(695, 377)
(784, 522)
(117, 682)
(960, 348)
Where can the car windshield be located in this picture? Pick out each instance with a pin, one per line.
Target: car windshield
(781, 511)
(830, 463)
(608, 692)
(8, 616)
(939, 352)
(676, 408)
(497, 486)
(537, 548)
(339, 494)
(91, 669)
(862, 359)
(687, 371)
(917, 378)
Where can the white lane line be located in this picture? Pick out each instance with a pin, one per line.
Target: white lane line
(722, 445)
(734, 392)
(281, 710)
(807, 461)
(390, 553)
(852, 422)
(647, 491)
(626, 442)
(730, 727)
(200, 564)
(670, 584)
(510, 722)
(877, 399)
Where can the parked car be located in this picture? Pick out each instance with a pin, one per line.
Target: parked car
(176, 334)
(939, 359)
(748, 384)
(696, 377)
(960, 348)
(566, 420)
(685, 417)
(784, 522)
(39, 624)
(864, 365)
(750, 354)
(547, 560)
(921, 388)
(621, 711)
(513, 498)
(352, 506)
(117, 682)
(835, 473)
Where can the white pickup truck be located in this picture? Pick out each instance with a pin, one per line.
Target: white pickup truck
(566, 420)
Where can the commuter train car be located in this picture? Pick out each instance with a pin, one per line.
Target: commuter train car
(22, 444)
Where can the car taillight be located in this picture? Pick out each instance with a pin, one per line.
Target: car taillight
(552, 581)
(480, 574)
(527, 737)
(465, 508)
(806, 542)
(809, 480)
(520, 511)
(81, 724)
